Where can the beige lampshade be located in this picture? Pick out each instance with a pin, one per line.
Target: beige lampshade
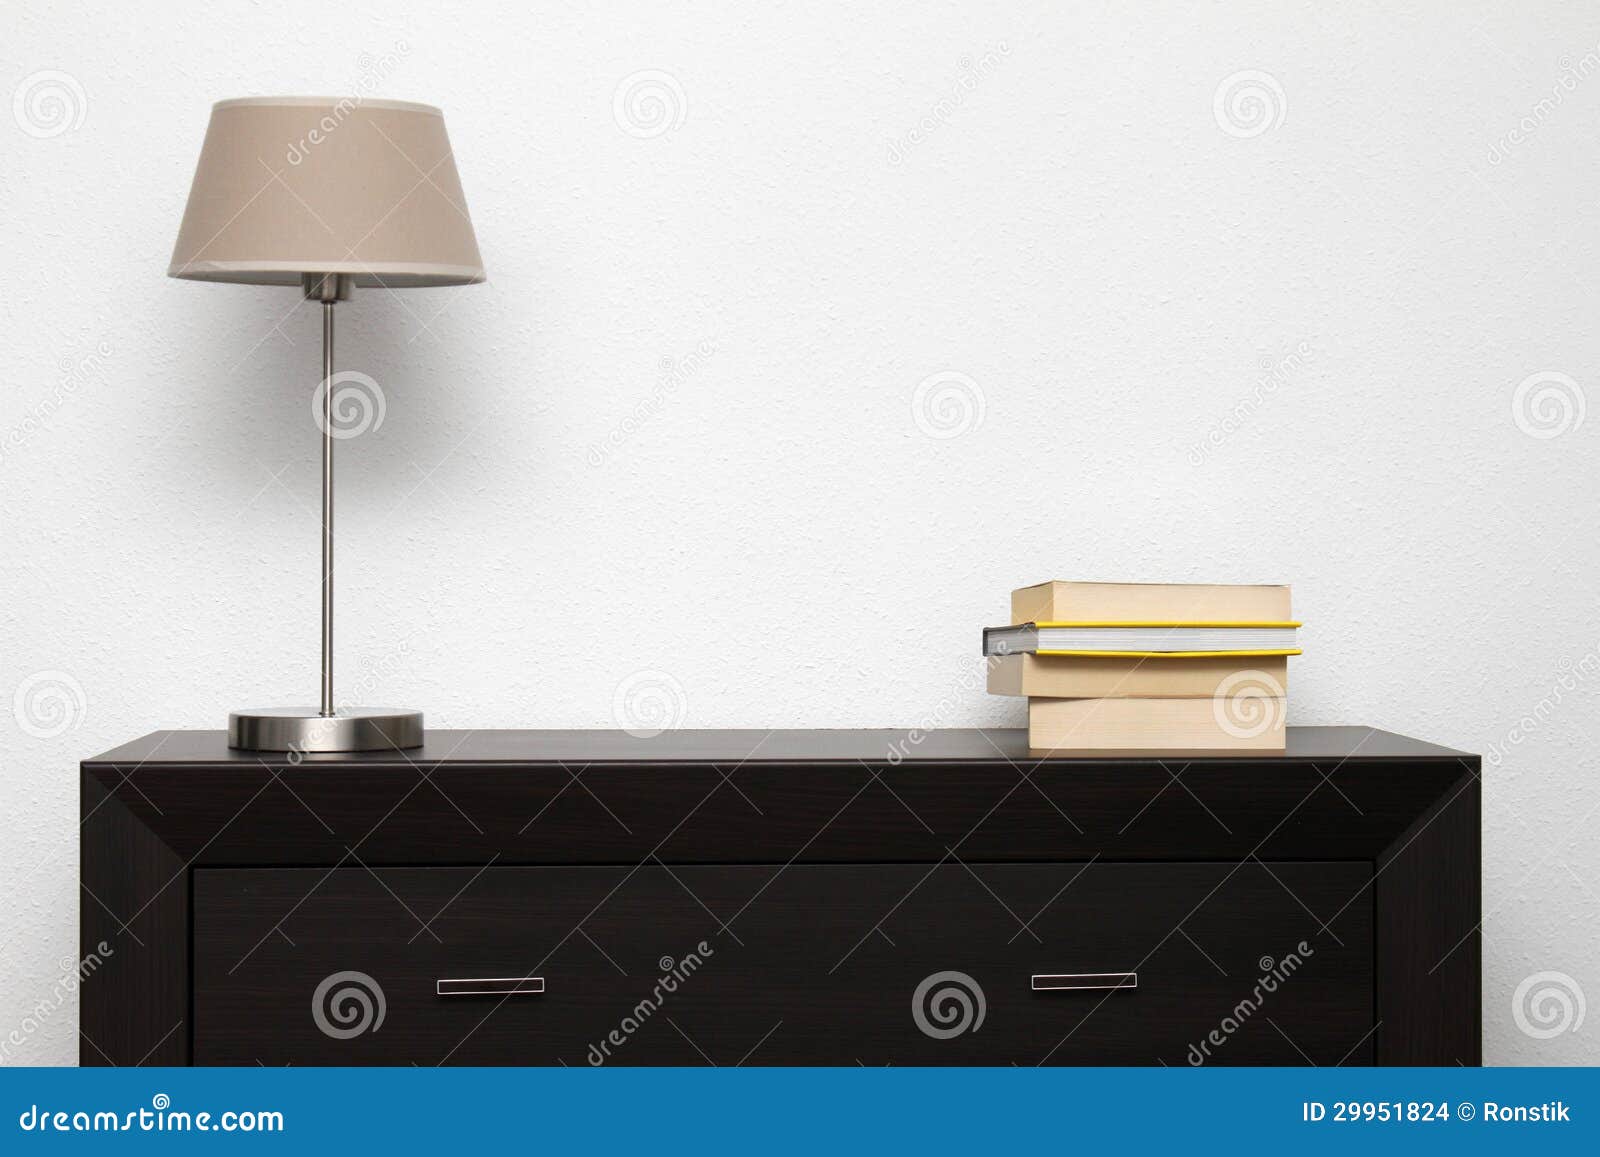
(291, 185)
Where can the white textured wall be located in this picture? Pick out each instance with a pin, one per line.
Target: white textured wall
(1410, 237)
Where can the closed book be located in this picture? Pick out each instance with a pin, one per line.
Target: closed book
(1239, 723)
(1063, 677)
(1063, 602)
(1135, 640)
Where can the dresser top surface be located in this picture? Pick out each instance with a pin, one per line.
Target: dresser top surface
(757, 745)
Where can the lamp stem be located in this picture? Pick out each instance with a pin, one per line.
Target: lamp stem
(322, 728)
(327, 507)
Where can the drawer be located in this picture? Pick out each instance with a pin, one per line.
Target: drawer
(815, 964)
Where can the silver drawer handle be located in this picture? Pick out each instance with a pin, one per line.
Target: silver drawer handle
(1069, 981)
(492, 986)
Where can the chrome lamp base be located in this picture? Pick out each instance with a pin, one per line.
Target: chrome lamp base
(314, 729)
(307, 729)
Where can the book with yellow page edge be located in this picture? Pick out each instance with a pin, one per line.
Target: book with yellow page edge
(1144, 640)
(1145, 675)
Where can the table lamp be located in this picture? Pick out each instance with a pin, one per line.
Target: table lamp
(326, 193)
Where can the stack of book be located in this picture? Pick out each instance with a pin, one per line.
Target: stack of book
(1147, 667)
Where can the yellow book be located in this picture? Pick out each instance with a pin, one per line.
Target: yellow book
(1172, 639)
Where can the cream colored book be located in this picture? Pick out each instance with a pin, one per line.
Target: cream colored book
(1064, 677)
(1066, 602)
(1242, 723)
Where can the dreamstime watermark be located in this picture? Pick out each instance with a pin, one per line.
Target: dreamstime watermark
(675, 372)
(160, 1117)
(75, 373)
(1278, 375)
(1249, 704)
(375, 672)
(953, 705)
(358, 405)
(49, 103)
(1547, 405)
(674, 973)
(1547, 1004)
(49, 703)
(1567, 81)
(948, 1004)
(1570, 675)
(347, 1004)
(1249, 103)
(649, 103)
(646, 703)
(73, 974)
(970, 73)
(374, 68)
(373, 71)
(948, 404)
(1274, 974)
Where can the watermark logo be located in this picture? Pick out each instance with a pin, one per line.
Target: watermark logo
(674, 974)
(1249, 103)
(1570, 676)
(77, 371)
(1248, 704)
(347, 1004)
(1567, 80)
(952, 706)
(1547, 405)
(970, 73)
(947, 1004)
(73, 974)
(49, 103)
(374, 68)
(1274, 974)
(1548, 1004)
(48, 704)
(160, 1117)
(373, 71)
(646, 703)
(1278, 374)
(675, 372)
(649, 103)
(947, 405)
(358, 405)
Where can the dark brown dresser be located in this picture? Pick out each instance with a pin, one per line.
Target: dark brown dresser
(780, 897)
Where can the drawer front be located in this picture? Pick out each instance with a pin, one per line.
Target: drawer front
(1099, 963)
